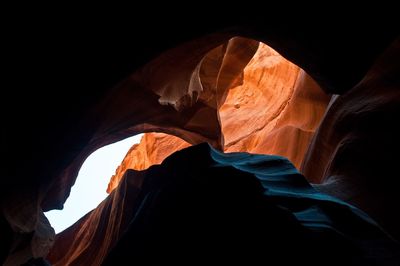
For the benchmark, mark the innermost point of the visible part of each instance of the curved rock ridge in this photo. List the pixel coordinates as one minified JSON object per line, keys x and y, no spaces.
{"x":201,"y":205}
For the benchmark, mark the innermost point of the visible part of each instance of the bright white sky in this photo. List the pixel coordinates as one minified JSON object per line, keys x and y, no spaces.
{"x":91,"y":184}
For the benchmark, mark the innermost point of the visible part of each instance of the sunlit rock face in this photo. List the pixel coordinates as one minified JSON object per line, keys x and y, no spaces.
{"x":153,"y":149}
{"x":275,"y":111}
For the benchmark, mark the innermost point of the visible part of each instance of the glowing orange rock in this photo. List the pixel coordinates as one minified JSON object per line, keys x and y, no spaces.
{"x":275,"y":111}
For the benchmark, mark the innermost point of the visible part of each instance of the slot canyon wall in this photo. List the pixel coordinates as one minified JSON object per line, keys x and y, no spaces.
{"x":352,"y":155}
{"x":247,"y":124}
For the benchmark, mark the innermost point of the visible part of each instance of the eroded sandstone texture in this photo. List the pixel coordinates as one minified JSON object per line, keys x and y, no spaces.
{"x":275,"y":111}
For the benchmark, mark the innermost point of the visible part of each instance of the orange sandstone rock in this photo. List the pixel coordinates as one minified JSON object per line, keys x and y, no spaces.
{"x":275,"y":111}
{"x":153,"y":149}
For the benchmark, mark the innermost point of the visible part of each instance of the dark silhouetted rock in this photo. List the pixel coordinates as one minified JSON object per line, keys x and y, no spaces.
{"x":201,"y":206}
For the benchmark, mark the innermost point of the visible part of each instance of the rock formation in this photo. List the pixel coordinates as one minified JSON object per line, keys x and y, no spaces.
{"x":66,"y":99}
